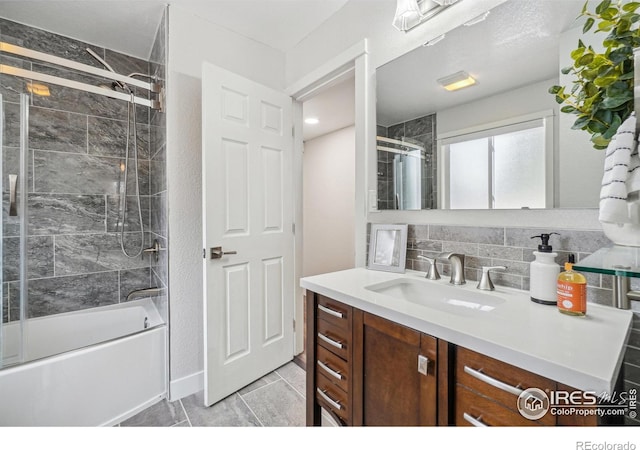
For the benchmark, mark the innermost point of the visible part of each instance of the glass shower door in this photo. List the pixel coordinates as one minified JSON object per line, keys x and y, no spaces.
{"x":14,"y":110}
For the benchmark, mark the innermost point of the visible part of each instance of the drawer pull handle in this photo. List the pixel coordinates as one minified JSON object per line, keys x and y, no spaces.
{"x":330,"y":371}
{"x":330,"y":341}
{"x":332,"y":402}
{"x":476,"y":422}
{"x":493,"y":382}
{"x":331,"y":311}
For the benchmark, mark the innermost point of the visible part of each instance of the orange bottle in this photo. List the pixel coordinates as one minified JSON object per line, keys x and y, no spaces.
{"x":572,"y":290}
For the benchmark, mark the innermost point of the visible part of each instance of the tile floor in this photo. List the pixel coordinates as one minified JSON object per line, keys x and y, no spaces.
{"x":275,"y":400}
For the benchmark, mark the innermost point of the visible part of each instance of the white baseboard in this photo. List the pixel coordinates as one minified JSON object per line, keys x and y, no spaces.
{"x":185,"y":386}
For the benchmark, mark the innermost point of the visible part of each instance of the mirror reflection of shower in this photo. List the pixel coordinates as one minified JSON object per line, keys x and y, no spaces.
{"x":402,"y":169}
{"x":124,"y":167}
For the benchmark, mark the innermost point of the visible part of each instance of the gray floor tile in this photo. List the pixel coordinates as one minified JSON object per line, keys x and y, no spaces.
{"x":229,"y":412}
{"x":294,"y":375}
{"x":277,"y":405}
{"x":162,"y":414}
{"x":267,"y":379}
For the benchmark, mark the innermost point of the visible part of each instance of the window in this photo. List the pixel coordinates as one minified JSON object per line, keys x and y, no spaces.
{"x":498,"y":167}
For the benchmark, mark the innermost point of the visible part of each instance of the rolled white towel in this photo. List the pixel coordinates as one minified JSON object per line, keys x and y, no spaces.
{"x":621,"y":174}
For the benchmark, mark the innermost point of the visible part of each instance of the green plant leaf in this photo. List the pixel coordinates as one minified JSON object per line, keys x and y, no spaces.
{"x":568,"y":109}
{"x":609,"y":13}
{"x":630,"y":7}
{"x":615,"y":102}
{"x":615,"y":124}
{"x":580,"y":123}
{"x":585,"y":60}
{"x":599,"y":141}
{"x":602,"y":6}
{"x":577,"y":53}
{"x":604,"y":81}
{"x":588,"y":24}
{"x":566,"y":70}
{"x":605,"y":25}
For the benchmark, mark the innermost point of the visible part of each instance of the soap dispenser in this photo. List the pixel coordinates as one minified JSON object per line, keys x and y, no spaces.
{"x":544,"y":273}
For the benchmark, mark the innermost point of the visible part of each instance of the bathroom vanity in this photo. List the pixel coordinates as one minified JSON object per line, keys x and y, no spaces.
{"x":397,"y":349}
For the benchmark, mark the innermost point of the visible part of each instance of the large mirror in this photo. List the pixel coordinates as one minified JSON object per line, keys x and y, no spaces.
{"x":500,"y":143}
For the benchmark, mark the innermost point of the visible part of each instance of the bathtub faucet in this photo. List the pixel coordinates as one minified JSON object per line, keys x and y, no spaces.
{"x":146,"y":292}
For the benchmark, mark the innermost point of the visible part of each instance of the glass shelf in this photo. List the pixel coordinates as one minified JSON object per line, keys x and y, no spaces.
{"x":617,"y":260}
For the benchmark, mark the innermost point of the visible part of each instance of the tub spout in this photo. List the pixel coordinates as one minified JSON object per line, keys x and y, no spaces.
{"x":146,"y":292}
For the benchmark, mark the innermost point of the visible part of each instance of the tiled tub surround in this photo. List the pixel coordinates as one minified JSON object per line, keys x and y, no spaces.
{"x":76,"y":149}
{"x":421,"y":131}
{"x":513,"y":248}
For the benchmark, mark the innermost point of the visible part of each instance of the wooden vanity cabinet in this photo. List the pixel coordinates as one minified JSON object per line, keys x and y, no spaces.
{"x":367,"y":370}
{"x":399,"y":374}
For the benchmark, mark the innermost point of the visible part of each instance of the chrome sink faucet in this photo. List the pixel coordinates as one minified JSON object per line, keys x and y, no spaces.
{"x":457,"y":267}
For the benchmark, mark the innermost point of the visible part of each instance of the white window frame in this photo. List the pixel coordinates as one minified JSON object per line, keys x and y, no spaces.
{"x":528,"y":121}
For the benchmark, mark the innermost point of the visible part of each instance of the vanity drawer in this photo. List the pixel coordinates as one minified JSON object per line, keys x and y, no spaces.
{"x":475,"y":410}
{"x":334,"y":312}
{"x":333,"y":338}
{"x":333,"y":398}
{"x":333,"y":367}
{"x":495,"y":379}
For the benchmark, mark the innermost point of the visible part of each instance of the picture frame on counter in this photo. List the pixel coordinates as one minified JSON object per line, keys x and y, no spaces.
{"x":388,"y":247}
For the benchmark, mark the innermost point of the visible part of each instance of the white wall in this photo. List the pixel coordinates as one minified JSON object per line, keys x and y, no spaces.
{"x":329,"y":202}
{"x":192,"y":40}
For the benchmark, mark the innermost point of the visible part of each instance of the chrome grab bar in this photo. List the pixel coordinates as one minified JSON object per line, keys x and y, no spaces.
{"x":330,"y":341}
{"x":13,"y":204}
{"x":328,"y":399}
{"x":476,"y":422}
{"x":330,"y":311}
{"x":146,"y":292}
{"x":330,"y":371}
{"x":493,"y":382}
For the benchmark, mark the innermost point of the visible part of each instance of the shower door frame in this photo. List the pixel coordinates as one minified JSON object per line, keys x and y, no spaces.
{"x":22,"y":211}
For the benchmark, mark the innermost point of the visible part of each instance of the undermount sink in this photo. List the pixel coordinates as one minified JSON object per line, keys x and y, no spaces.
{"x":454,"y":299}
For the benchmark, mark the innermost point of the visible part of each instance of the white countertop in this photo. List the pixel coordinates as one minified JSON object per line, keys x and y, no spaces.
{"x":582,"y":352}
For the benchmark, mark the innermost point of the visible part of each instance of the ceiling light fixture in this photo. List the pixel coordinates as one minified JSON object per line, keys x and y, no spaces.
{"x":457,"y":81}
{"x":477,"y":20}
{"x":311,"y":121}
{"x":411,"y":13}
{"x":433,"y":41}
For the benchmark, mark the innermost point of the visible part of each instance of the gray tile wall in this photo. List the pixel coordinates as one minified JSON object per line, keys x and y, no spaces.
{"x":76,"y":149}
{"x":513,"y":248}
{"x":420,"y":131}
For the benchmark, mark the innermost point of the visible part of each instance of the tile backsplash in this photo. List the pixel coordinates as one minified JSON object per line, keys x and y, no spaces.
{"x":505,"y":246}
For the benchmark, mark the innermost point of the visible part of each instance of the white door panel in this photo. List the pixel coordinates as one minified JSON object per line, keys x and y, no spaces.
{"x":248,"y":209}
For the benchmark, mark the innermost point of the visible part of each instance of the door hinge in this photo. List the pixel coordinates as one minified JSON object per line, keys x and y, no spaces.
{"x":293,"y":131}
{"x":293,"y":228}
{"x":204,"y":253}
{"x":294,"y":324}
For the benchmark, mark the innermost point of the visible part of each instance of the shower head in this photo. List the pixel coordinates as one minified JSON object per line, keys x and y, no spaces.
{"x":104,"y":63}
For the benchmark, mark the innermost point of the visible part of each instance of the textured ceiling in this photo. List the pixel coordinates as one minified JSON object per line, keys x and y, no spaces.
{"x":130,"y":26}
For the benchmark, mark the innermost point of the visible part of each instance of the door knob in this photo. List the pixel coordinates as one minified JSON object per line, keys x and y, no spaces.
{"x":216,"y":253}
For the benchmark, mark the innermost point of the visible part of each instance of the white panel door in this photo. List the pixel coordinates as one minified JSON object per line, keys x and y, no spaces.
{"x":247,"y":209}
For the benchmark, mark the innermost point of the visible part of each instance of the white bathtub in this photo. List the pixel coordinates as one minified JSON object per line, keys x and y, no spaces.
{"x":106,"y":366}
